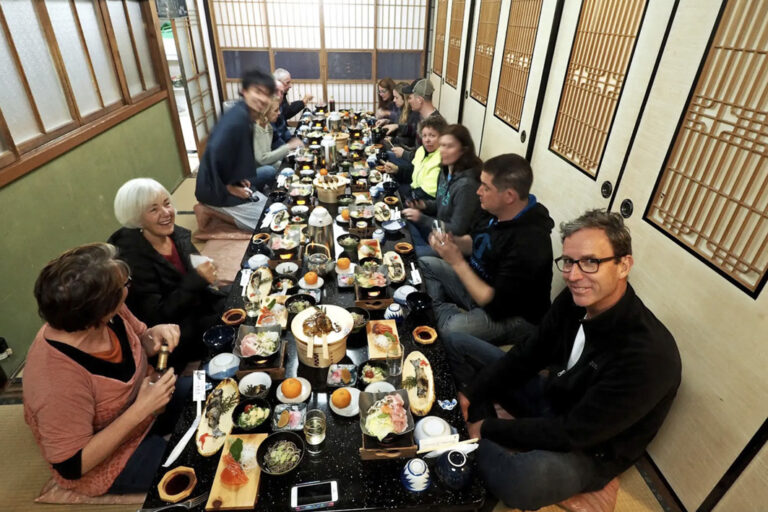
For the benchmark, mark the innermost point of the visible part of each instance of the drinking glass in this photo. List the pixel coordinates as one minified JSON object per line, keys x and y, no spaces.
{"x":251,"y":309}
{"x":394,"y":359}
{"x":314,"y":430}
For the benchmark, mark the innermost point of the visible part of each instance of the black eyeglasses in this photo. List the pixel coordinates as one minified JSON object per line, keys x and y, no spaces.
{"x":128,"y":282}
{"x":586,"y":265}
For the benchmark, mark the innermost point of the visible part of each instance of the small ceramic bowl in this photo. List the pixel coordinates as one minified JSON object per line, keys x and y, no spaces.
{"x":364,"y":313}
{"x":288,"y":268}
{"x":252,"y":380}
{"x":431,"y":426}
{"x":219,"y":338}
{"x":393,"y":226}
{"x":415,"y":476}
{"x":390,"y":187}
{"x":391,"y":200}
{"x":223,"y":366}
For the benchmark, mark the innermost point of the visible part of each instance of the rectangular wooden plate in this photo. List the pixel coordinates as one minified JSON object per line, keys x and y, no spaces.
{"x":374,"y":352}
{"x":224,"y":497}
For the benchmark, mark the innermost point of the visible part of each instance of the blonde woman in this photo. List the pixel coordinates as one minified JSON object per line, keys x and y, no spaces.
{"x":406,"y":127}
{"x":262,"y":137}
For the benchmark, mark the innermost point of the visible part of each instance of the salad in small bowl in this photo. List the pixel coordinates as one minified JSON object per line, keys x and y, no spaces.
{"x":251,"y":413}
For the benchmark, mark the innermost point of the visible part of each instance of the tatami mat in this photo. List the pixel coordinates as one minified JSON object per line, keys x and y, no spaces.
{"x":25,"y":472}
{"x":634,"y":496}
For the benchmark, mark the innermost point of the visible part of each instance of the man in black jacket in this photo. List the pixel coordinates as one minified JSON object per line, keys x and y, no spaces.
{"x":609,"y":373}
{"x":229,"y":178}
{"x":288,"y":110}
{"x":501,"y":291}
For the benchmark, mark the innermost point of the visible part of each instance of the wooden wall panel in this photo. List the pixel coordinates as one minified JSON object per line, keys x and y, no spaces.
{"x":485,"y":46}
{"x":600,"y":56}
{"x":713,"y":194}
{"x":454,"y":43}
{"x":523,"y":25}
{"x":439,"y":49}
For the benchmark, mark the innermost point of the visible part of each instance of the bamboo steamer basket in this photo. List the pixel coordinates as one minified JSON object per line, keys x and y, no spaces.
{"x":341,"y":140}
{"x":329,"y":195}
{"x":337,"y":341}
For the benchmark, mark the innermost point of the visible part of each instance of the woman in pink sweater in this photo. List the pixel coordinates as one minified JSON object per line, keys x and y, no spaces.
{"x":87,"y":391}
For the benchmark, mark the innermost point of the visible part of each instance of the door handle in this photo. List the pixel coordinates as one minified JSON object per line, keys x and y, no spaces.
{"x":523,"y":136}
{"x":466,"y":94}
{"x":626,"y":208}
{"x":606,"y":189}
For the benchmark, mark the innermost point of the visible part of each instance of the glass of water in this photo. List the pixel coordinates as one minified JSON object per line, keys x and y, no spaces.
{"x":395,"y":359}
{"x":314,"y":430}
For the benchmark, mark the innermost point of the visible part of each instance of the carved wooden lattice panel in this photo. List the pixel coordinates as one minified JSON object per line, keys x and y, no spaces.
{"x":485,"y":45}
{"x":600,"y":56}
{"x":713,"y":193}
{"x":516,"y":64}
{"x":439,"y":50}
{"x":454,"y":43}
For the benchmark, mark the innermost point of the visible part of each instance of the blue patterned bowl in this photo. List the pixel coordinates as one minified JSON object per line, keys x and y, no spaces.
{"x":415,"y":476}
{"x":453,"y":470}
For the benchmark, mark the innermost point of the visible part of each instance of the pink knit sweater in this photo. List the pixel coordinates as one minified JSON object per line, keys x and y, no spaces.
{"x":65,"y":405}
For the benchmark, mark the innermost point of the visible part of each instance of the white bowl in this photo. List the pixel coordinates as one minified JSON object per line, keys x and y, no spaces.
{"x":290,"y":268}
{"x":379,"y":387}
{"x":431,"y":426}
{"x":258,"y":260}
{"x":255,"y":379}
{"x":223,"y":365}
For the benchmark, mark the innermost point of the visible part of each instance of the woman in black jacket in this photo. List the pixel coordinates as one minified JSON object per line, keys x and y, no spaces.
{"x":456,"y":204}
{"x":166,"y":287}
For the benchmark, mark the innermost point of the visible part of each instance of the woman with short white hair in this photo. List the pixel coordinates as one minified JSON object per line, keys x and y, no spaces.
{"x":166,"y":287}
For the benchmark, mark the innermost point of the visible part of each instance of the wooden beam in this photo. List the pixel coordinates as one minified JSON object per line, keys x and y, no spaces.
{"x":30,"y":161}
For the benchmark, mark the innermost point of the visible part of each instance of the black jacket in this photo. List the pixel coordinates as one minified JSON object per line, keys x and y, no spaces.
{"x":456,"y":203}
{"x":159,"y":293}
{"x":228,"y":158}
{"x":610,"y":404}
{"x":515,"y":258}
{"x":288,"y":110}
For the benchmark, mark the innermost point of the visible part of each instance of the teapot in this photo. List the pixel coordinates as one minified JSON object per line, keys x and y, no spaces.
{"x":320,"y":228}
{"x":319,"y":259}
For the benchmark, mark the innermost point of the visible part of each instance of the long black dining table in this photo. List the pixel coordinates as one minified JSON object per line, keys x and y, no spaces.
{"x":362,"y":484}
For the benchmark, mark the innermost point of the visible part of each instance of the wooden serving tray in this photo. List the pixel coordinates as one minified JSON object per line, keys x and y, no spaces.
{"x":225,"y":497}
{"x":401,"y":448}
{"x":374,"y":352}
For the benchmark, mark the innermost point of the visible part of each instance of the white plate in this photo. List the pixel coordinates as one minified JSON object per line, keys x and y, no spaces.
{"x":318,"y":284}
{"x":379,"y":387}
{"x":306,"y":389}
{"x":352,"y":409}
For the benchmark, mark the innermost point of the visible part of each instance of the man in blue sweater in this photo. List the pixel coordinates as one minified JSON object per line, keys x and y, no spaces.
{"x":229,"y":179}
{"x":588,"y":392}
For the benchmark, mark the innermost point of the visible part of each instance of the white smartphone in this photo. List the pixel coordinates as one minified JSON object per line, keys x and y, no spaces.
{"x":314,"y":495}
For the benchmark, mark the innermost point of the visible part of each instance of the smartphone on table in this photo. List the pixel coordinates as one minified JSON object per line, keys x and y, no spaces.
{"x":314,"y":495}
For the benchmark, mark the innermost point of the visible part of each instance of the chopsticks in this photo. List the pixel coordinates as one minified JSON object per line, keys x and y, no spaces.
{"x":448,"y":446}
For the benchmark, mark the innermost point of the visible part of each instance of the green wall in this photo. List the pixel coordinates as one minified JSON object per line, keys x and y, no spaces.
{"x":68,"y":202}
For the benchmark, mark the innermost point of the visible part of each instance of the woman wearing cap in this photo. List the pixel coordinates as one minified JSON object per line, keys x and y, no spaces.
{"x":88,"y":397}
{"x":167,"y":287}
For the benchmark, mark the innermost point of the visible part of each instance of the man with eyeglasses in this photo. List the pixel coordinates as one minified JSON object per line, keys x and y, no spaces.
{"x":587,"y":393}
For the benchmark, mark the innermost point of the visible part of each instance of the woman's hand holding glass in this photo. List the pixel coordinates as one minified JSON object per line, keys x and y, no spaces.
{"x":390,"y":168}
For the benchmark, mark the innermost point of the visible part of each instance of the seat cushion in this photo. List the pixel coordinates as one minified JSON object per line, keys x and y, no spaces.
{"x":603,"y":500}
{"x":52,"y":493}
{"x":213,"y":225}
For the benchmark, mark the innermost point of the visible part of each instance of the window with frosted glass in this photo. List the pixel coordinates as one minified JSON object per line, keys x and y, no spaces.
{"x":61,"y":71}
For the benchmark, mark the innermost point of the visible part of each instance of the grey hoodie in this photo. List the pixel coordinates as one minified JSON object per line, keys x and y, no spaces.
{"x":456,"y":203}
